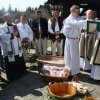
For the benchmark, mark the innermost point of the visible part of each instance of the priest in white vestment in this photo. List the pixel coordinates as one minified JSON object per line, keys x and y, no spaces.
{"x":95,"y":60}
{"x":1,"y":60}
{"x":85,"y":44}
{"x":12,"y":50}
{"x":71,"y":30}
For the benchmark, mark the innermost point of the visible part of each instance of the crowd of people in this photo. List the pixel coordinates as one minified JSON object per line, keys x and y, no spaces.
{"x":67,"y":39}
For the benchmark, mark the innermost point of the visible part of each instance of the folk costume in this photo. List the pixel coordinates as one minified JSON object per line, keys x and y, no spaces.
{"x":55,"y":25}
{"x":40,"y":38}
{"x":12,"y":52}
{"x":71,"y":30}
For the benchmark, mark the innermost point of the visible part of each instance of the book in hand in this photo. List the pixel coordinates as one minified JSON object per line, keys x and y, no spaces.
{"x":93,"y":26}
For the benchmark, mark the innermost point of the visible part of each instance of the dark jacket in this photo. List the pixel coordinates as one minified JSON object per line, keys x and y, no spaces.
{"x":60,"y":23}
{"x":43,"y":25}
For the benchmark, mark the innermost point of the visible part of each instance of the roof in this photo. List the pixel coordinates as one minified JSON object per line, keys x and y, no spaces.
{"x":54,"y":2}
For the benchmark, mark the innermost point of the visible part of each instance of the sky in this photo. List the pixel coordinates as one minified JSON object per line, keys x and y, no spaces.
{"x":21,"y":4}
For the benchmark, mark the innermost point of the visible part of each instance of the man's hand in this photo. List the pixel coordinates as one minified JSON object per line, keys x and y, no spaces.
{"x":59,"y":40}
{"x":57,"y":33}
{"x":40,"y":32}
{"x":15,"y":33}
{"x":25,"y":39}
{"x":83,"y":30}
{"x":53,"y":40}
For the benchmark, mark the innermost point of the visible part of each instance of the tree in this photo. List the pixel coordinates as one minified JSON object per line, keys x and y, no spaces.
{"x":1,"y":19}
{"x":15,"y":10}
{"x":30,"y":12}
{"x":36,"y":9}
{"x":9,"y":9}
{"x":2,"y":10}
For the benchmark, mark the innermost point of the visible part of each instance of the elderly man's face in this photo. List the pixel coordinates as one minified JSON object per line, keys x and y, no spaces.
{"x":89,"y":14}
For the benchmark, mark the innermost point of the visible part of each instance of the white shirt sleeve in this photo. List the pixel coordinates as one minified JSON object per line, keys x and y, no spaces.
{"x":66,"y":29}
{"x":77,"y":24}
{"x":62,"y":27}
{"x":5,"y":38}
{"x":57,"y":28}
{"x":49,"y":27}
{"x":73,"y":26}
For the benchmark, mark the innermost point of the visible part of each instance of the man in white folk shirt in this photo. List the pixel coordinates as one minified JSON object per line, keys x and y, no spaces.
{"x":71,"y":30}
{"x":12,"y":50}
{"x":55,"y":31}
{"x":86,"y":44}
{"x":26,"y":35}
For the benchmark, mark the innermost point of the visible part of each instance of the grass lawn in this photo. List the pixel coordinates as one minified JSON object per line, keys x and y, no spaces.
{"x":48,"y":43}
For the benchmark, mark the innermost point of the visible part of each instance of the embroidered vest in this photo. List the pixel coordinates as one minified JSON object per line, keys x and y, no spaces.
{"x":60,"y":23}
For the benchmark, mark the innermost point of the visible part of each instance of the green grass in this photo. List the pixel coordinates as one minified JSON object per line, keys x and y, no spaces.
{"x":48,"y":43}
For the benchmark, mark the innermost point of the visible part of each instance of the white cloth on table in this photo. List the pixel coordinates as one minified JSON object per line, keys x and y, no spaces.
{"x":54,"y":70}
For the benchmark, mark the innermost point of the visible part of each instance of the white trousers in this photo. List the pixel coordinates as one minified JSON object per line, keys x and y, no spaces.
{"x":57,"y":46}
{"x":41,"y":47}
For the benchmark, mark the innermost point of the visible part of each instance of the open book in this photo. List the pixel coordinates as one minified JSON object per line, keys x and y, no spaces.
{"x":93,"y":26}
